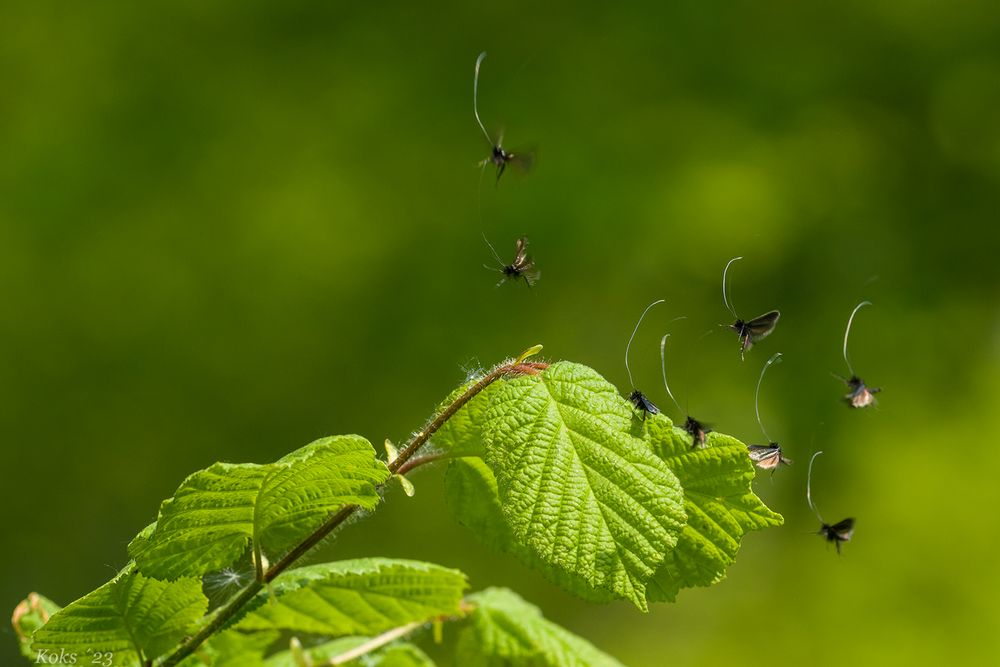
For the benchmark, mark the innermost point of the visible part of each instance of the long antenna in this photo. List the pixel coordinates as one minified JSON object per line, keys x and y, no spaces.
{"x":848,"y":333}
{"x":629,"y":344}
{"x":493,"y":250}
{"x":775,"y":358}
{"x":663,"y":367}
{"x":809,"y":488}
{"x":475,"y":98}
{"x":725,"y":298}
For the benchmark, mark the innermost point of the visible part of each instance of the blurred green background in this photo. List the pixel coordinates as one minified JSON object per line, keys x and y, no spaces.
{"x":229,"y":228}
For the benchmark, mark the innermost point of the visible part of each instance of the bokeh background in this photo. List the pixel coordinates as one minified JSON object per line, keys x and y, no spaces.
{"x":229,"y":228}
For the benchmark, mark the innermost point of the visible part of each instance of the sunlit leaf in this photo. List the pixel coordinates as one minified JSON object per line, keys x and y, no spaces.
{"x":357,"y":597}
{"x":506,"y":631}
{"x":132,"y":617}
{"x":720,"y":504}
{"x":577,"y":487}
{"x":217,"y":512}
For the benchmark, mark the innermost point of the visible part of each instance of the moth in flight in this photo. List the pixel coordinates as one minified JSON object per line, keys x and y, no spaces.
{"x":523,"y":266}
{"x":769,"y":456}
{"x":838,"y":533}
{"x":748,"y":331}
{"x":498,"y":157}
{"x":859,"y":395}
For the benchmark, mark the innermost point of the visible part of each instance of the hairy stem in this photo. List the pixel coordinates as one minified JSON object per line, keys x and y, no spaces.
{"x":231,"y":608}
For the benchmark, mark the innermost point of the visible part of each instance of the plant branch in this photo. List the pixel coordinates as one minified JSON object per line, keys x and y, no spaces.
{"x":418,"y":461}
{"x":230,"y":609}
{"x":222,"y":615}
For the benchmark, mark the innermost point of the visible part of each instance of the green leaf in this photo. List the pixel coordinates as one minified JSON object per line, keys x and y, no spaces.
{"x":506,"y":631}
{"x":471,"y":493}
{"x":216,"y":512}
{"x":132,"y":617}
{"x":357,"y":597}
{"x":394,"y":655}
{"x":30,"y":614}
{"x":462,"y":434}
{"x":720,"y":504}
{"x":583,"y":493}
{"x":233,"y":649}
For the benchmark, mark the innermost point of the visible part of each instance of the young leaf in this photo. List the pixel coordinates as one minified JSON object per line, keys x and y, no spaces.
{"x":395,"y":655}
{"x":132,"y":617}
{"x":29,"y":615}
{"x":720,"y":503}
{"x":357,"y":597}
{"x":216,"y":512}
{"x":505,"y":630}
{"x":471,"y":492}
{"x":577,"y":488}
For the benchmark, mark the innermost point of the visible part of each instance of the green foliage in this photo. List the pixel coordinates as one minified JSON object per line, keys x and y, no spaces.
{"x":550,"y":465}
{"x":720,"y":504}
{"x":215,"y":512}
{"x":358,"y":597}
{"x":395,"y":655}
{"x":471,"y":492}
{"x":577,"y":488}
{"x":132,"y":617}
{"x":234,"y":649}
{"x":506,"y":630}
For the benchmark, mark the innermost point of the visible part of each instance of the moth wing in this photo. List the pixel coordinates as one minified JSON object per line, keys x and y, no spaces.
{"x":531,"y":274}
{"x":844,"y":530}
{"x":761,"y":327}
{"x":524,"y":159}
{"x":758,"y":452}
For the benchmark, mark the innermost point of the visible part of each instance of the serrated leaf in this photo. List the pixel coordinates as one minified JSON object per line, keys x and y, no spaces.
{"x":357,"y":597}
{"x":132,"y":617}
{"x":462,"y":434}
{"x":217,"y":512}
{"x":720,"y":504}
{"x":394,"y":655}
{"x":30,"y":614}
{"x":471,"y":493}
{"x":506,"y":631}
{"x":583,"y":493}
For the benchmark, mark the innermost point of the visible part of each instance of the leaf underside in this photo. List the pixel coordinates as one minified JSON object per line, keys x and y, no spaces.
{"x":505,"y":630}
{"x":395,"y":655}
{"x":357,"y":597}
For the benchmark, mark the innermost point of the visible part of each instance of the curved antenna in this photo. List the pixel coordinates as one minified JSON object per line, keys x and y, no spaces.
{"x":475,"y":98}
{"x":663,"y":367}
{"x":809,"y":488}
{"x":493,"y":250}
{"x":725,"y":298}
{"x":775,"y":358}
{"x":847,"y":333}
{"x":629,"y":344}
